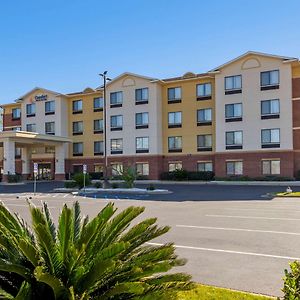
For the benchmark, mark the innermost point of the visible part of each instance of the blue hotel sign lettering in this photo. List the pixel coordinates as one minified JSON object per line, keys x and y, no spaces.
{"x":40,"y":97}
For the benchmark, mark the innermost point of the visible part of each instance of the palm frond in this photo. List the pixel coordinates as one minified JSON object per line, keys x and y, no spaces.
{"x":25,"y":292}
{"x":49,"y":221}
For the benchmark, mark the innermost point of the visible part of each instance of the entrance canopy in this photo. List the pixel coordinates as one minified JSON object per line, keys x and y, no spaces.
{"x":9,"y":140}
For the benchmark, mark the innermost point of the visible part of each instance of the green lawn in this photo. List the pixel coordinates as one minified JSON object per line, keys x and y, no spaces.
{"x":285,"y":194}
{"x":203,"y":292}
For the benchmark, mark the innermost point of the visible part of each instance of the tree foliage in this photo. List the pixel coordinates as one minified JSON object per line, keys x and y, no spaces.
{"x":102,"y":258}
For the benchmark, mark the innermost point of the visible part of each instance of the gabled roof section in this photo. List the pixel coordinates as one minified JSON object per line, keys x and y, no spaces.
{"x":283,"y":58}
{"x":124,"y":75}
{"x":20,"y":99}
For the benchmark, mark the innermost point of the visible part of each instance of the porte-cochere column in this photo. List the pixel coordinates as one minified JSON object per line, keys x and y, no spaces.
{"x":9,"y":167}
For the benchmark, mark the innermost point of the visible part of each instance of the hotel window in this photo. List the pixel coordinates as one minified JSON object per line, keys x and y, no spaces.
{"x":16,"y":113}
{"x":50,"y":128}
{"x":98,"y":148}
{"x":174,"y":119}
{"x":204,"y":166}
{"x":204,"y":91}
{"x":116,"y":169}
{"x":98,"y":168}
{"x":204,"y":117}
{"x":116,"y":146}
{"x":175,"y":144}
{"x":78,"y":149}
{"x":77,"y":106}
{"x":141,"y":96}
{"x":270,"y":138}
{"x":98,"y":104}
{"x":233,"y":84}
{"x":17,"y":129}
{"x":49,"y":149}
{"x":204,"y":142}
{"x":142,"y":169}
{"x":234,"y":168}
{"x":270,"y":109}
{"x":31,"y":127}
{"x":30,"y":110}
{"x":234,"y":140}
{"x":142,"y":145}
{"x":174,"y":95}
{"x":233,"y":112}
{"x":116,"y":99}
{"x":78,"y":128}
{"x":173,"y":166}
{"x":141,"y":120}
{"x":269,"y":80}
{"x":50,"y":107}
{"x":116,"y":123}
{"x":271,"y":167}
{"x":17,"y":152}
{"x":98,"y":126}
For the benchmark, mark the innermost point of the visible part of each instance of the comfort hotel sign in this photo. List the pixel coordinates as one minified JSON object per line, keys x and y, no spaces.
{"x":41,"y":97}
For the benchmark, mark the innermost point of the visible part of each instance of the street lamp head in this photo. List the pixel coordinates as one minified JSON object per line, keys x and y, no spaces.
{"x":108,"y":79}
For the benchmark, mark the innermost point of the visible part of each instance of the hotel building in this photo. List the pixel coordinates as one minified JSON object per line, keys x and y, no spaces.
{"x":241,"y":118}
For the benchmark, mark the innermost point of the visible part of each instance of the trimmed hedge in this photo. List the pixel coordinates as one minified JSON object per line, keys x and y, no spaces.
{"x":183,"y":175}
{"x":70,"y":184}
{"x":14,"y":178}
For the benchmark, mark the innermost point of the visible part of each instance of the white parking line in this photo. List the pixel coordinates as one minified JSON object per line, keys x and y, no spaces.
{"x":238,"y":229}
{"x":25,"y":205}
{"x":230,"y":251}
{"x":65,"y":195}
{"x":249,"y":217}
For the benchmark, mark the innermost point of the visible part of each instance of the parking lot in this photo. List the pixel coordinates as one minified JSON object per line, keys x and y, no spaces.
{"x":243,"y":244}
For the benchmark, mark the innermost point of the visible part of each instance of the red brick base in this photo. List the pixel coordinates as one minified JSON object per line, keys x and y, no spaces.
{"x":59,"y":177}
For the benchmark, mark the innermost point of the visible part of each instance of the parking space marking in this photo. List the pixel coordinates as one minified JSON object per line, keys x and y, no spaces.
{"x":238,"y":229}
{"x":229,"y":251}
{"x":249,"y":217}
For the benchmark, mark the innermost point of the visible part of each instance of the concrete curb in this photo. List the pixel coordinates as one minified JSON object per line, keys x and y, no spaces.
{"x":127,"y":191}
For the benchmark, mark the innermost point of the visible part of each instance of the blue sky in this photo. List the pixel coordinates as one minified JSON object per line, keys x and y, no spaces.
{"x":63,"y":45}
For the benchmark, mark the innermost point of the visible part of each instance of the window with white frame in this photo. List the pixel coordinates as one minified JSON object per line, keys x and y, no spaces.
{"x":50,"y":128}
{"x":77,"y":128}
{"x":204,"y":166}
{"x":98,"y":104}
{"x":204,"y":142}
{"x":30,"y":110}
{"x":234,"y":167}
{"x":31,"y":127}
{"x":116,"y":122}
{"x":233,"y":84}
{"x":98,"y":126}
{"x":16,"y":113}
{"x":271,"y":167}
{"x":174,"y":94}
{"x":270,"y":138}
{"x":175,"y":143}
{"x":116,"y":169}
{"x":142,"y":144}
{"x":17,"y":152}
{"x":49,"y":107}
{"x":142,"y":95}
{"x":204,"y":90}
{"x":204,"y":116}
{"x":116,"y":99}
{"x":78,"y":149}
{"x":77,"y":106}
{"x":234,"y":139}
{"x":142,"y":120}
{"x":98,"y":148}
{"x":176,"y":165}
{"x":142,"y":169}
{"x":233,"y":112}
{"x":269,"y":79}
{"x":174,"y":119}
{"x":116,"y":146}
{"x":270,"y":109}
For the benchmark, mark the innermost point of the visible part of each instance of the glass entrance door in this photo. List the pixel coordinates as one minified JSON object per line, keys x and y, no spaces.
{"x":44,"y":171}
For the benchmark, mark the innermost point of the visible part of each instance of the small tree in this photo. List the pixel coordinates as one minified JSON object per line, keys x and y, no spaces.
{"x":128,"y":174}
{"x":103,"y":259}
{"x":79,"y":178}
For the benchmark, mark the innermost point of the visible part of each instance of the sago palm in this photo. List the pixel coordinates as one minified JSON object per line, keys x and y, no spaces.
{"x":102,"y":258}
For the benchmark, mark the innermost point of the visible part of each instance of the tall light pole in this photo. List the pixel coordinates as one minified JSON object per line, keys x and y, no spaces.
{"x":105,"y":181}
